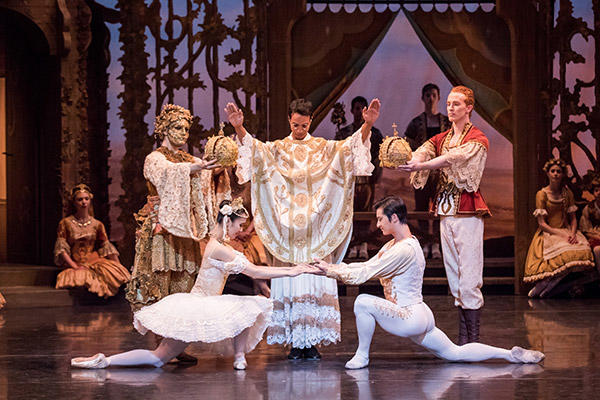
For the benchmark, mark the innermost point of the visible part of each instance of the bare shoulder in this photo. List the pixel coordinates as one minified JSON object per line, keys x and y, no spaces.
{"x":219,"y":251}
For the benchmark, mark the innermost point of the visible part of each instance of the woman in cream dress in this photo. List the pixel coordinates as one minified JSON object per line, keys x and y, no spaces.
{"x":557,"y":248}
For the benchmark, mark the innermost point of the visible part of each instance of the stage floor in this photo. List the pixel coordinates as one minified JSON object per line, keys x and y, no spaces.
{"x":36,"y":345}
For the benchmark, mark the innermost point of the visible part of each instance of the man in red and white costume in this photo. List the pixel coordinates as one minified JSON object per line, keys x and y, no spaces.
{"x":460,"y":154}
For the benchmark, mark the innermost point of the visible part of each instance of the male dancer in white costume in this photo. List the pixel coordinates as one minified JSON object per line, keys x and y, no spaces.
{"x":302,"y":202}
{"x":400,"y":265}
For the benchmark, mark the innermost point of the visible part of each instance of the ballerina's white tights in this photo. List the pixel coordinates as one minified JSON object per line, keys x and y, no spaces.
{"x":167,"y":350}
{"x":417,"y":323}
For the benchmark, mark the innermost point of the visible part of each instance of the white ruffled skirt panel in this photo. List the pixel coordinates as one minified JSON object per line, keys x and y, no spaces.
{"x":213,"y":320}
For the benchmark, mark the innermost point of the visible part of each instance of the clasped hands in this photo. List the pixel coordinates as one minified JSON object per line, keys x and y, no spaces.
{"x":317,"y":267}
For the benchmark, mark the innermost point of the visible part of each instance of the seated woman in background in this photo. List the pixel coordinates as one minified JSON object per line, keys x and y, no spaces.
{"x":83,"y":249}
{"x":557,"y":248}
{"x":589,"y":223}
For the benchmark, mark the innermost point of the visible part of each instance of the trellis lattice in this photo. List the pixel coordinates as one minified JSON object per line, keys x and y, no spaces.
{"x":567,"y":131}
{"x":187,"y":43}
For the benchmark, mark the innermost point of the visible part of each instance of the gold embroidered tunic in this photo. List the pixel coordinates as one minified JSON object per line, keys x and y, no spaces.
{"x":302,"y":200}
{"x":303,"y":192}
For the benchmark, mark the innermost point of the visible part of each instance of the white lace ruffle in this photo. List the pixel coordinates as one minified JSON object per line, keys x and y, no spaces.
{"x":425,"y":152}
{"x":244,"y":161}
{"x":208,"y":319}
{"x":540,"y":211}
{"x":305,"y":311}
{"x":361,"y":154}
{"x":300,"y":335}
{"x":172,"y":182}
{"x":235,"y":266}
{"x":467,"y":163}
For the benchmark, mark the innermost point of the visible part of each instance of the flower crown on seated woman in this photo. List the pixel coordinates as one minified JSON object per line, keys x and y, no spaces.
{"x":555,"y":161}
{"x":236,"y":207}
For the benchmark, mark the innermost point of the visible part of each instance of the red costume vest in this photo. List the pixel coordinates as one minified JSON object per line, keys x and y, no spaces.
{"x":467,"y":202}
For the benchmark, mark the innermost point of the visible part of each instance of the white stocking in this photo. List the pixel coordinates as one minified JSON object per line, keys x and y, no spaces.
{"x":417,"y":323}
{"x":438,"y":343}
{"x":166,"y":350}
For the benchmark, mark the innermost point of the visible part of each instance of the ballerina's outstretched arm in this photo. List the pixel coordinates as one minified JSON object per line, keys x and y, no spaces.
{"x":236,"y":263}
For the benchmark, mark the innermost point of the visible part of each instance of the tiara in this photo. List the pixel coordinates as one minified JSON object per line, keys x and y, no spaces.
{"x":235,"y":207}
{"x":82,"y":187}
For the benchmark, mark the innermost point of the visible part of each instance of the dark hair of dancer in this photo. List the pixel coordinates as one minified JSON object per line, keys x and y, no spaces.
{"x":233,"y":215}
{"x":359,"y":99}
{"x":392,"y":205}
{"x":428,"y":87}
{"x":302,"y":107}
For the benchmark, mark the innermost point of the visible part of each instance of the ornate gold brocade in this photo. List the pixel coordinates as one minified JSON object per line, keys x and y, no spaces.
{"x":302,"y":196}
{"x":165,"y":263}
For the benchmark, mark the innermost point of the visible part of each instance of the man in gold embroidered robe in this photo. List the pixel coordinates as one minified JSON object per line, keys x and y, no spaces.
{"x":302,"y":201}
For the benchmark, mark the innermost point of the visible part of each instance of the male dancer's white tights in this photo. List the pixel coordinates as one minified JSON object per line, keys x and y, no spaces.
{"x":417,"y":323}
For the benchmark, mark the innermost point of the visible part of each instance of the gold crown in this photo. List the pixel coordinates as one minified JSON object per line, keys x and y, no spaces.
{"x":394,"y":150}
{"x":222,"y":148}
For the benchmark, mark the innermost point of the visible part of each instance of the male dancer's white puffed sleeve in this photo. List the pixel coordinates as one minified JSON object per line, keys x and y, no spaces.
{"x":385,"y":264}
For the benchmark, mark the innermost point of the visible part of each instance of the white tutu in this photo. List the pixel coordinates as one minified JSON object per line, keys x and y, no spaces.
{"x":191,"y":318}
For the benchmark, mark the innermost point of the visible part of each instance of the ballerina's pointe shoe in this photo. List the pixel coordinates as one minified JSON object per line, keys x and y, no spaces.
{"x":240,"y":363}
{"x":526,"y":356}
{"x":357,"y":362}
{"x":95,"y":362}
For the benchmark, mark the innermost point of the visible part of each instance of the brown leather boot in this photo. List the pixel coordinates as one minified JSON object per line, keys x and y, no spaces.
{"x":462,"y":328}
{"x":472,"y":320}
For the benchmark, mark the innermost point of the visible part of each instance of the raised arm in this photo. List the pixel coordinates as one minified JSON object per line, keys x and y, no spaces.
{"x":370,"y":115}
{"x":236,"y":119}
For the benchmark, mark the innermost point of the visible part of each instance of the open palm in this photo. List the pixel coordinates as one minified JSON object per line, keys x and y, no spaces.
{"x":235,"y":115}
{"x":371,"y":114}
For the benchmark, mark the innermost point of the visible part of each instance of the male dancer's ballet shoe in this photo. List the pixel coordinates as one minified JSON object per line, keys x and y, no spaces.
{"x":357,"y":362}
{"x":94,"y":362}
{"x":240,"y":363}
{"x":526,"y":356}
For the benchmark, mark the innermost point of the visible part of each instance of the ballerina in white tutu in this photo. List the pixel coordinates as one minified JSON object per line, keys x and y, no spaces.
{"x":231,"y":324}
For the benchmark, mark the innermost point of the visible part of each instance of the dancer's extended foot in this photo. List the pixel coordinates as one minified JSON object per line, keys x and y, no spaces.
{"x":94,"y":362}
{"x":357,"y":362}
{"x":240,"y":362}
{"x":521,"y":355}
{"x":311,"y":353}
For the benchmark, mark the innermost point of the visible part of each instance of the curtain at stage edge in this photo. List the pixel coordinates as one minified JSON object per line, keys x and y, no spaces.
{"x":329,"y":50}
{"x":472,"y":49}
